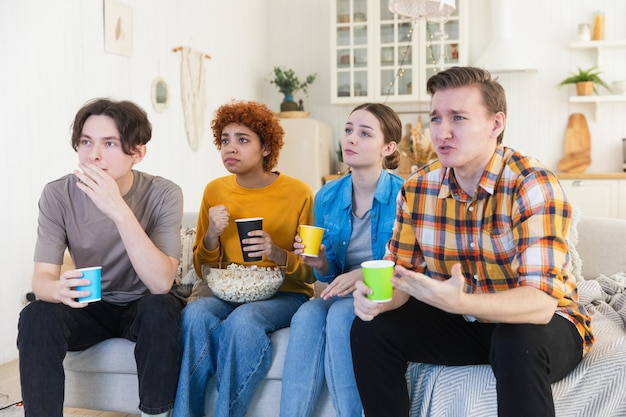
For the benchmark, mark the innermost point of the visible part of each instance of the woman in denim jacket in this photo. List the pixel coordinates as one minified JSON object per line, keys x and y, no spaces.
{"x":357,"y":213}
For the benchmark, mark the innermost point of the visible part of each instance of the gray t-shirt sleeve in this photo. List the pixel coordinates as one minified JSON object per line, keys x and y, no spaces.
{"x":69,"y":219}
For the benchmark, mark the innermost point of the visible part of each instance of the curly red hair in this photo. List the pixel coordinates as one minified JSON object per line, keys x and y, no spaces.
{"x":256,"y":117}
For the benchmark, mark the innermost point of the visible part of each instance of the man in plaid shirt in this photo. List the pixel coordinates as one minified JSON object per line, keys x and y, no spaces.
{"x":482,"y":266}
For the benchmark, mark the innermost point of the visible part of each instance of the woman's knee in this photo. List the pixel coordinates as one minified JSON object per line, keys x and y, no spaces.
{"x":340,"y":316}
{"x":311,"y":316}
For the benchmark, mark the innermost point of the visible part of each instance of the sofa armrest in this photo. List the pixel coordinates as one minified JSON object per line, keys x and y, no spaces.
{"x":601,"y":246}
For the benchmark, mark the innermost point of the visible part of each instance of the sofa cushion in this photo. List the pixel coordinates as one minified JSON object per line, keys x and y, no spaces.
{"x":117,"y":356}
{"x":601,"y":246}
{"x":280,"y":339}
{"x":110,"y":356}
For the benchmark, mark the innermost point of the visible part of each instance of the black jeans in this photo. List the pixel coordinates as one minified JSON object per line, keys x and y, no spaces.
{"x":46,"y":331}
{"x":525,"y":358}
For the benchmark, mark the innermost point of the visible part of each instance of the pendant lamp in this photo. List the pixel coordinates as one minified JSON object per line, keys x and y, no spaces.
{"x":418,"y":9}
{"x":434,"y":10}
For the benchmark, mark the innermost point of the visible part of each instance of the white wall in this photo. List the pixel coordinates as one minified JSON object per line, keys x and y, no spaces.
{"x":53,"y":60}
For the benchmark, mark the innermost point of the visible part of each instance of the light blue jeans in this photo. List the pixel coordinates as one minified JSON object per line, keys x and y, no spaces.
{"x":319,"y":346}
{"x":231,"y":342}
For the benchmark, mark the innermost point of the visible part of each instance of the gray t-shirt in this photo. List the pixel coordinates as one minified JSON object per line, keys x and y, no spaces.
{"x":69,"y":219}
{"x":360,"y":245}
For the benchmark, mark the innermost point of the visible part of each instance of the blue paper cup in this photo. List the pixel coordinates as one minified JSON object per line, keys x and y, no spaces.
{"x":94,"y":275}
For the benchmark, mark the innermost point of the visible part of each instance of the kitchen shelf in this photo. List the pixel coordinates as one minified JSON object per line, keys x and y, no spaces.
{"x":599,"y":46}
{"x":596,"y":100}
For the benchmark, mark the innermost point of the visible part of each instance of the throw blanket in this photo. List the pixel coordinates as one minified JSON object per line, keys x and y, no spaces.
{"x":594,"y":388}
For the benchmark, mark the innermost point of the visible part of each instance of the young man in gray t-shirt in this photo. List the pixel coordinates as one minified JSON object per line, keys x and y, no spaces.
{"x":126,"y":221}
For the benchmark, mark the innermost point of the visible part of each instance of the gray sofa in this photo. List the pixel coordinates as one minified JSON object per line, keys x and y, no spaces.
{"x":104,"y":376}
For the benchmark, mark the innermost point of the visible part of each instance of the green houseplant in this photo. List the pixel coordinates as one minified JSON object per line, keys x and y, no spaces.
{"x":288,"y":83}
{"x":586,"y":81}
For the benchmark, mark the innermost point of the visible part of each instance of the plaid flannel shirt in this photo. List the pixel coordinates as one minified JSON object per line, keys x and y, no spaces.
{"x":511,"y":233}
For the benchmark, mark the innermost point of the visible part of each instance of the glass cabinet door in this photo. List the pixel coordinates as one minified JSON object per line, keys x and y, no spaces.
{"x":352,"y":40}
{"x":380,"y":56}
{"x":444,"y":34}
{"x":395,"y":54}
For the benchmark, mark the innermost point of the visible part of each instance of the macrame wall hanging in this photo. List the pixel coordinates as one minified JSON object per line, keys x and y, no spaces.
{"x":192,"y":93}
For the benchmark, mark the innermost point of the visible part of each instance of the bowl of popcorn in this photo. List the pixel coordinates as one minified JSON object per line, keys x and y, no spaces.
{"x":242,"y":284}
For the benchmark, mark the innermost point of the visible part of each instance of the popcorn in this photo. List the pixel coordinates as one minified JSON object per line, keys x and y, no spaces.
{"x":241,"y":284}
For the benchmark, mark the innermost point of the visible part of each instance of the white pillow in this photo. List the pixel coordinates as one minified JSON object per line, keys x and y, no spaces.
{"x":187,"y":239}
{"x":576,"y":263}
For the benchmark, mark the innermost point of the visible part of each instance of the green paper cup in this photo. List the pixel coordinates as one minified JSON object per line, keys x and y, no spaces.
{"x":377,"y":276}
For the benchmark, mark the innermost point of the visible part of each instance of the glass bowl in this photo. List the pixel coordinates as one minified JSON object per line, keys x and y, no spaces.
{"x":240,"y":283}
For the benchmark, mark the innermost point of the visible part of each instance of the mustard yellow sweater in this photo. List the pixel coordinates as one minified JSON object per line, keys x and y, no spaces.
{"x":284,"y":204}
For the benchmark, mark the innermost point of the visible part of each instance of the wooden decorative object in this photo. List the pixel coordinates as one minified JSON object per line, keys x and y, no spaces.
{"x":407,"y":152}
{"x":577,"y":156}
{"x":424,"y":151}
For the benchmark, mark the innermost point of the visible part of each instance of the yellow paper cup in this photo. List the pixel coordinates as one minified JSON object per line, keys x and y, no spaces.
{"x":311,"y":238}
{"x":377,"y":276}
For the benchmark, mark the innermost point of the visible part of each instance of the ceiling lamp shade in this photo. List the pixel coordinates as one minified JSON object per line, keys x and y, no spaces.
{"x":417,"y":9}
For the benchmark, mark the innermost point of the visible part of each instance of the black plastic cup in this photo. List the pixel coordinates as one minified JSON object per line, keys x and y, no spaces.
{"x":243,"y":227}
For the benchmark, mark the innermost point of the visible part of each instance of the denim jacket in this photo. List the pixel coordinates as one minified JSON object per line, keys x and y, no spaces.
{"x":333,"y":211}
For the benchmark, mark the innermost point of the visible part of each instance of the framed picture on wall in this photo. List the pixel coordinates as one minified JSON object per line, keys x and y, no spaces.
{"x":118,"y":28}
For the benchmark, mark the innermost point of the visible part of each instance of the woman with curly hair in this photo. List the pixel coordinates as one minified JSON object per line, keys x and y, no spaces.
{"x":232,"y":341}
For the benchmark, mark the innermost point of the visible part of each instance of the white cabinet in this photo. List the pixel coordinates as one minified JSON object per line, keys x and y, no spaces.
{"x":307,"y":153}
{"x":621,"y":203}
{"x":594,"y":197}
{"x":597,"y":195}
{"x":600,"y":47}
{"x":378,"y":56}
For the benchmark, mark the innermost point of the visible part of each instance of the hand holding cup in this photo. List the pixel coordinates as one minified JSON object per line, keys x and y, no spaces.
{"x":311,"y":237}
{"x":244,"y":226}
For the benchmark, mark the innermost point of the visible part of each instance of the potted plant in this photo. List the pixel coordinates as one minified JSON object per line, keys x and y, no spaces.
{"x":288,"y":83}
{"x":586,"y":81}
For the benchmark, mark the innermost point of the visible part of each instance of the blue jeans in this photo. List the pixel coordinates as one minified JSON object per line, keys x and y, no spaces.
{"x":46,"y":331}
{"x":319,"y":345}
{"x":233,"y":343}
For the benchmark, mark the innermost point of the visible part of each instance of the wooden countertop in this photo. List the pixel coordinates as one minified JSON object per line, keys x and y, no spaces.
{"x":591,"y":175}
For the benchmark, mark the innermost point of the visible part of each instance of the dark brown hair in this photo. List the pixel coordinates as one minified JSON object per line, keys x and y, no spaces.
{"x":131,"y":121}
{"x":256,"y":117}
{"x":492,"y":92}
{"x":390,"y":125}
